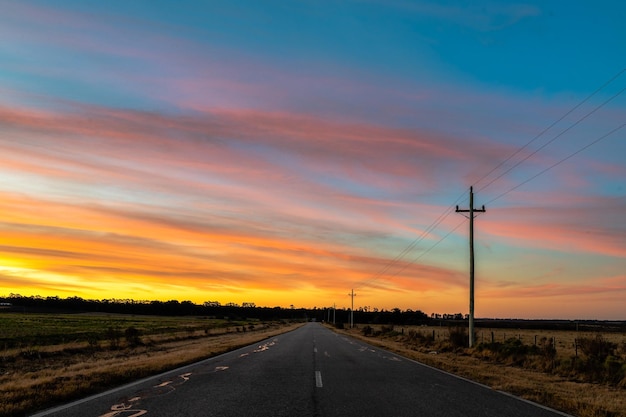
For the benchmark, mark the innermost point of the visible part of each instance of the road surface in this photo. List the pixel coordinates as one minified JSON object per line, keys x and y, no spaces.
{"x":311,"y":371}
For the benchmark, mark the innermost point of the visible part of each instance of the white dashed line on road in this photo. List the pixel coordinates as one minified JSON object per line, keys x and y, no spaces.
{"x":318,"y":379}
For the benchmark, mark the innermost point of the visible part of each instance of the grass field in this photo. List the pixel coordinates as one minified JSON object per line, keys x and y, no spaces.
{"x":525,"y":372}
{"x":50,"y":329}
{"x":49,"y":359}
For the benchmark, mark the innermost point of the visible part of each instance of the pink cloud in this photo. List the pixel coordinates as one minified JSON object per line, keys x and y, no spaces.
{"x":363,"y":154}
{"x":116,"y":35}
{"x":563,"y":222}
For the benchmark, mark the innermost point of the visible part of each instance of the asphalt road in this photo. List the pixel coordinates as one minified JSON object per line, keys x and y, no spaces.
{"x":311,"y":371}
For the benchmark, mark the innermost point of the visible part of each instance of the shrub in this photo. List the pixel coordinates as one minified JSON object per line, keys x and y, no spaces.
{"x":132,"y":336}
{"x":515,"y":351}
{"x":414,"y":335}
{"x":513,"y":346}
{"x":458,"y":336}
{"x":601,"y":364}
{"x":94,"y":342}
{"x":367,"y":330}
{"x":546,"y":348}
{"x":511,"y":350}
{"x":388,"y":330}
{"x":113,"y":336}
{"x":596,"y":347}
{"x":615,"y":369}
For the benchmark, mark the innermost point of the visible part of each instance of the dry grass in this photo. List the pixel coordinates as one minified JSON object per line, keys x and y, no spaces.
{"x":561,"y":393}
{"x":35,"y":379}
{"x":565,"y":339}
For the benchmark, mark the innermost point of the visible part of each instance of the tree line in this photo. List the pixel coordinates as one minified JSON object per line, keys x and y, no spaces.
{"x":16,"y":302}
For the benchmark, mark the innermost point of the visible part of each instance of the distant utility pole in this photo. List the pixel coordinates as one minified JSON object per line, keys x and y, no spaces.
{"x":471,"y":212}
{"x":352,"y":295}
{"x":334,"y":312}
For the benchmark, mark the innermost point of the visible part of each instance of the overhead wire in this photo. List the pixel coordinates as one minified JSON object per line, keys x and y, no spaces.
{"x":559,"y":162}
{"x":449,"y":209}
{"x":429,"y":249}
{"x":412,"y":245}
{"x":576,"y":123}
{"x":570,"y":111}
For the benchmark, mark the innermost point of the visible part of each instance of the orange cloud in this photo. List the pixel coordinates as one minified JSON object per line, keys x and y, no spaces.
{"x":99,"y":243}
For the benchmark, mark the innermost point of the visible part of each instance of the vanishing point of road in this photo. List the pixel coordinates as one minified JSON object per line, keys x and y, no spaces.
{"x":310,"y":371}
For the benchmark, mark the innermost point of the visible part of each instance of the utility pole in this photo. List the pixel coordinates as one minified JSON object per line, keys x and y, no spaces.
{"x":471,"y":212}
{"x":352,"y":295}
{"x":334,"y":312}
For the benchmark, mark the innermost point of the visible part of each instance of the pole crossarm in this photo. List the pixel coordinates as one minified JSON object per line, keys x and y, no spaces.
{"x":471,"y":212}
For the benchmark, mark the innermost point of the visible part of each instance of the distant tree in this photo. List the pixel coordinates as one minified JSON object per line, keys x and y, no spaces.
{"x":187,"y":307}
{"x":212,"y":304}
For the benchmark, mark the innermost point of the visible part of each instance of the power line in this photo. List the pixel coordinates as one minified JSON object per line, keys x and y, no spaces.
{"x":560,"y":162}
{"x":557,"y":136}
{"x":449,"y":210}
{"x":581,"y":119}
{"x":413,"y":244}
{"x":433,"y":246}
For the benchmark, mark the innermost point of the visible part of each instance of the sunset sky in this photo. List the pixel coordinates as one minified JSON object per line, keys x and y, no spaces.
{"x":285,"y":152}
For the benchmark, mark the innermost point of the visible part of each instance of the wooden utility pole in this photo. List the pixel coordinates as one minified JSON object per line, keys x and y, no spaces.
{"x":471,"y":212}
{"x":352,"y":295}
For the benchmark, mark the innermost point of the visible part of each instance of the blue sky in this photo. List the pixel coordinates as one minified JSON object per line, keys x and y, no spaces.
{"x":285,"y":152}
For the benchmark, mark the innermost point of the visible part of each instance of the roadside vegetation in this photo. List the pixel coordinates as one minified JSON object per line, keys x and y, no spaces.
{"x":51,"y":359}
{"x":583,"y":374}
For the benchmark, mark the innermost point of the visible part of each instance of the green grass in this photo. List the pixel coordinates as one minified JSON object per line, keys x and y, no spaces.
{"x":25,"y":329}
